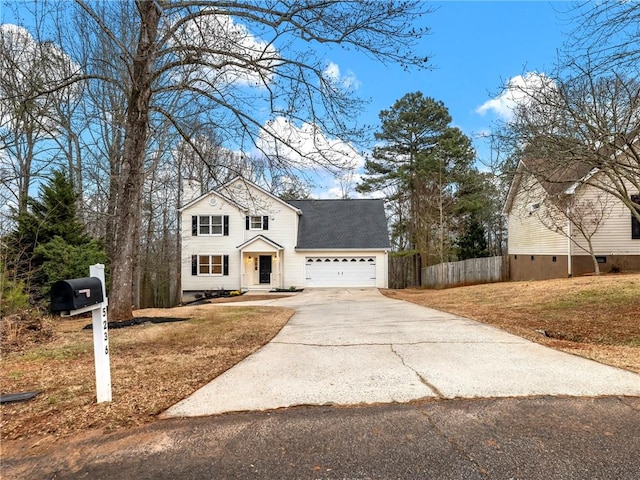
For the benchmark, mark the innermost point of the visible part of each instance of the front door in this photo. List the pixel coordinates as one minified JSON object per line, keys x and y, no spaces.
{"x":265,"y":269}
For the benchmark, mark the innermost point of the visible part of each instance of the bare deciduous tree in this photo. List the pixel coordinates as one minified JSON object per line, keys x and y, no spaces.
{"x":220,"y":62}
{"x":586,"y":124}
{"x":28,"y":118}
{"x":577,"y":218}
{"x":607,"y":36}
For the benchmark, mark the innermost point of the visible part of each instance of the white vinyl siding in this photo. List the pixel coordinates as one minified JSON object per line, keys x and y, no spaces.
{"x":613,"y":237}
{"x":527,"y":235}
{"x":282,"y":229}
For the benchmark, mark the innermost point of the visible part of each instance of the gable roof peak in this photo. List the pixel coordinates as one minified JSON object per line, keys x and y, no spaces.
{"x":556,"y":177}
{"x":246,"y":182}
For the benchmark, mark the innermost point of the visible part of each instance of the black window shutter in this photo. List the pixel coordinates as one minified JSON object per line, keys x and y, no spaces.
{"x":225,"y":227}
{"x":194,"y":225}
{"x":246,"y":222}
{"x":225,"y":265}
{"x":635,"y":224}
{"x":265,"y":222}
{"x":194,"y":265}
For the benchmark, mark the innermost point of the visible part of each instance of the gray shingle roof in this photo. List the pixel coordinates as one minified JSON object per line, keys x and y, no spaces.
{"x":354,"y":224}
{"x":556,"y":177}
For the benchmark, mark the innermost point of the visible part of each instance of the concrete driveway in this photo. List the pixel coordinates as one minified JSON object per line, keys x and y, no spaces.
{"x":346,"y":347}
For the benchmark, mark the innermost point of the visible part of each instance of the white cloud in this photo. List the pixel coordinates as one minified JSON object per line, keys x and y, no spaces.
{"x":348,"y":81}
{"x":306,"y":146}
{"x":332,"y":71}
{"x":517,"y":92}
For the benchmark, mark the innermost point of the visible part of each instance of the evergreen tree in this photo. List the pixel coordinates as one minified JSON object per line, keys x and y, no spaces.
{"x":12,"y":295}
{"x":54,"y":213}
{"x":62,"y":260}
{"x":48,"y":227}
{"x":473,"y":242}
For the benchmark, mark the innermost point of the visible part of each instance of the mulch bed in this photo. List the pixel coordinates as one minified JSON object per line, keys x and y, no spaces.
{"x":139,"y":321}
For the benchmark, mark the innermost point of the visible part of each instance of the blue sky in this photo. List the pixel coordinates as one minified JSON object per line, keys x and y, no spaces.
{"x":475,"y":47}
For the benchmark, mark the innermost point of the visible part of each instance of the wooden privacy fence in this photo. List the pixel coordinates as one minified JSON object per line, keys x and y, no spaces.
{"x":404,"y":271}
{"x":466,"y":272}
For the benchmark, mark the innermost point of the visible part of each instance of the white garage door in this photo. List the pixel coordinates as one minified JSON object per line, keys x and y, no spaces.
{"x":340,"y":272}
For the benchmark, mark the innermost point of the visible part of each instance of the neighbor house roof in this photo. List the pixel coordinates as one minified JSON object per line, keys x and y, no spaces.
{"x":555,"y":177}
{"x":337,"y":224}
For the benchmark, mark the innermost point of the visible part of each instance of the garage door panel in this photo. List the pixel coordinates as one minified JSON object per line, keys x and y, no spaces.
{"x":340,"y":271}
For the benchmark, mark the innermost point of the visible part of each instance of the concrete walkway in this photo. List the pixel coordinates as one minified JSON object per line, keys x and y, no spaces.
{"x":345,"y":347}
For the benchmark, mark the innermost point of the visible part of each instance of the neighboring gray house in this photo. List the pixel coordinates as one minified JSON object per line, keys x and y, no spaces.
{"x":240,"y":236}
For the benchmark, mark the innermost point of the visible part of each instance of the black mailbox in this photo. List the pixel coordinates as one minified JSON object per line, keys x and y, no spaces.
{"x":77,"y":293}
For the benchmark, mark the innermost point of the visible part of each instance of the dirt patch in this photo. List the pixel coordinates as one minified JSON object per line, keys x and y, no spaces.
{"x":594,"y":317}
{"x":153,"y":366}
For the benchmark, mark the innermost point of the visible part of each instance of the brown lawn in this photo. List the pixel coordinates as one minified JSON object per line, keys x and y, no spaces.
{"x":595,"y":317}
{"x":153,"y":366}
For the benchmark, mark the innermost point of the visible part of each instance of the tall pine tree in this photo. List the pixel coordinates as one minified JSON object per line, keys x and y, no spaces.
{"x":418,"y":165}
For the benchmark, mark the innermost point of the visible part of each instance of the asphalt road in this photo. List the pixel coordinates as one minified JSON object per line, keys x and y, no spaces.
{"x":506,"y":438}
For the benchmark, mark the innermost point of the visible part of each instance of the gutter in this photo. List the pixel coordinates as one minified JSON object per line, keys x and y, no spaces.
{"x":569,"y":249}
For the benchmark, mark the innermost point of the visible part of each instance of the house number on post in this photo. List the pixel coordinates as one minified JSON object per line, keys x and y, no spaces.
{"x":101,"y":342}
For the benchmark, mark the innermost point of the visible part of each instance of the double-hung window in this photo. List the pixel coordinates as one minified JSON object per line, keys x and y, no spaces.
{"x":210,"y":225}
{"x":256,"y":222}
{"x":204,"y":265}
{"x":209,"y":264}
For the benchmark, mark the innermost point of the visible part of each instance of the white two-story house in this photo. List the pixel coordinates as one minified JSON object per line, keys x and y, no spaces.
{"x":241,"y":237}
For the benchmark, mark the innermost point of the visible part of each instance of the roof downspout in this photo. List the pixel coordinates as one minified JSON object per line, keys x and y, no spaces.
{"x":569,"y":248}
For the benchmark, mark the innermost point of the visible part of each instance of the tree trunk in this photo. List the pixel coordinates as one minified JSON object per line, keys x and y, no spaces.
{"x":596,"y":265}
{"x":177,"y":298}
{"x":132,"y":176}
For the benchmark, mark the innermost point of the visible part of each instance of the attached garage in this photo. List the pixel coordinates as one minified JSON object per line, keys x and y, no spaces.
{"x":342,"y":243}
{"x":340,"y":271}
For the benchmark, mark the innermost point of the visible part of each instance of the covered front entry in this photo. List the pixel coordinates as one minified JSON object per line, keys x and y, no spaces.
{"x":261,"y":264}
{"x":340,"y":271}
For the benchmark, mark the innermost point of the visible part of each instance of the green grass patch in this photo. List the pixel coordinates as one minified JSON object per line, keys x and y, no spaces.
{"x":59,"y":353}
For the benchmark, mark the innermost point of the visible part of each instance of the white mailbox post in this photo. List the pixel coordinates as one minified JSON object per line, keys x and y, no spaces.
{"x":81,"y":295}
{"x":101,"y":341}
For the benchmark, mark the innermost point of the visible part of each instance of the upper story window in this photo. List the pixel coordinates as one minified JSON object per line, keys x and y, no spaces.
{"x":210,"y":225}
{"x":256,"y":222}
